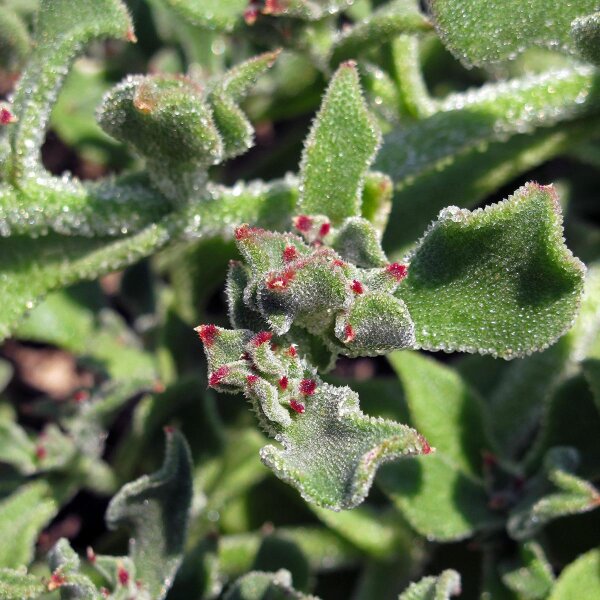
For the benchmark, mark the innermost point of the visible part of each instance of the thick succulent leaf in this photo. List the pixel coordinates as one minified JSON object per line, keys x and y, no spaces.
{"x":212,"y":14}
{"x":18,"y":585}
{"x":73,"y":585}
{"x":260,"y":585}
{"x":32,"y":268}
{"x":443,"y":408}
{"x":14,"y":43}
{"x":478,"y":32}
{"x":156,"y":509}
{"x":386,"y":23}
{"x":62,"y":29}
{"x":437,"y":498}
{"x":440,"y":587}
{"x":16,"y":449}
{"x":498,"y":280}
{"x":541,"y":504}
{"x":377,"y":199}
{"x":22,"y":517}
{"x":475,"y":142}
{"x":580,"y":579}
{"x":586,"y":35}
{"x":338,"y":151}
{"x":533,"y":578}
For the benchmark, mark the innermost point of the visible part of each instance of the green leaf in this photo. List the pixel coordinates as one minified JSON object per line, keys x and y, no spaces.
{"x":156,"y":509}
{"x":532,"y":579}
{"x":16,"y":448}
{"x":443,"y":408}
{"x":580,"y":579}
{"x":477,"y":141}
{"x":480,"y":32}
{"x":389,"y":21}
{"x":498,"y":280}
{"x":212,"y":14}
{"x":338,"y":151}
{"x":586,"y":35}
{"x":63,"y":27}
{"x":441,"y":587}
{"x":14,"y":43}
{"x":23,"y":515}
{"x":259,"y":585}
{"x":18,"y":585}
{"x":65,"y":563}
{"x":541,"y":504}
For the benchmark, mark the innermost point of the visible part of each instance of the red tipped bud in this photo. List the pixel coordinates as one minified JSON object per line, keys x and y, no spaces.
{"x":297,"y":406}
{"x":324,"y":229}
{"x":426,"y":448}
{"x":349,"y":334}
{"x":397,"y":271}
{"x":40,"y":452}
{"x":123,"y":575}
{"x":292,"y":351}
{"x":252,"y":379}
{"x":251,"y":14}
{"x":307,"y":387}
{"x":283,"y":383}
{"x":290,"y":253}
{"x":261,"y":338}
{"x":339,"y":263}
{"x":207,"y":334}
{"x":357,"y":287}
{"x":303,"y":223}
{"x":91,"y":555}
{"x":217,"y":376}
{"x":57,"y":580}
{"x":6,"y":117}
{"x":81,"y":396}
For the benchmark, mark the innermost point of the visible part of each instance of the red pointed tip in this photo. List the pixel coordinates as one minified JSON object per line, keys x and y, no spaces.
{"x":357,"y":287}
{"x":91,"y":555}
{"x":425,"y":447}
{"x":40,"y":452}
{"x":169,"y":429}
{"x":325,"y":229}
{"x":130,"y":36}
{"x":279,"y":283}
{"x":217,"y":376}
{"x":251,"y":14}
{"x":123,"y":575}
{"x":292,"y":351}
{"x":6,"y":117}
{"x":261,"y":338}
{"x":81,"y":396}
{"x":290,"y":253}
{"x":158,"y":387}
{"x":283,"y":383}
{"x":303,"y":223}
{"x":338,"y":263}
{"x":57,"y":580}
{"x":208,"y":334}
{"x":297,"y":406}
{"x":272,"y":7}
{"x":251,"y":379}
{"x":307,"y":387}
{"x":397,"y":271}
{"x":349,"y":334}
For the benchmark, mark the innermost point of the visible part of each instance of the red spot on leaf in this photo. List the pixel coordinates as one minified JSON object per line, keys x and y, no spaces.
{"x":252,"y":379}
{"x":290,"y":253}
{"x":349,"y":333}
{"x":6,"y":117}
{"x":217,"y":376}
{"x":123,"y":575}
{"x":357,"y":287}
{"x":325,"y":229}
{"x":283,"y":383}
{"x":261,"y":338}
{"x":307,"y":387}
{"x":281,"y":282}
{"x":397,"y":271}
{"x":425,"y":447}
{"x":207,"y":334}
{"x":303,"y":223}
{"x":297,"y":406}
{"x":57,"y":580}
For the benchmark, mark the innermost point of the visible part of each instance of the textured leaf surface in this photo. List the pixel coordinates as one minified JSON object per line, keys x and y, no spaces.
{"x":22,"y":517}
{"x":580,"y":579}
{"x":156,"y":509}
{"x":586,"y":35}
{"x":213,"y":14}
{"x":533,"y":579}
{"x":480,"y":32}
{"x":476,"y":142}
{"x":65,"y":564}
{"x":338,"y":151}
{"x":259,"y":585}
{"x":441,"y":587}
{"x":497,"y":281}
{"x":60,"y":35}
{"x":17,"y":585}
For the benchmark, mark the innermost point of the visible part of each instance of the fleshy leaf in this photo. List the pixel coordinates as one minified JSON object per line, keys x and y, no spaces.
{"x":156,"y":509}
{"x":479,"y":32}
{"x":580,"y":579}
{"x":259,"y":585}
{"x":213,"y":14}
{"x":22,"y":517}
{"x":533,"y":578}
{"x":441,"y":587}
{"x":62,"y":29}
{"x":338,"y":151}
{"x":479,"y":140}
{"x":586,"y":34}
{"x":73,"y":585}
{"x":18,"y":585}
{"x":14,"y":43}
{"x":497,"y":280}
{"x":541,"y":504}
